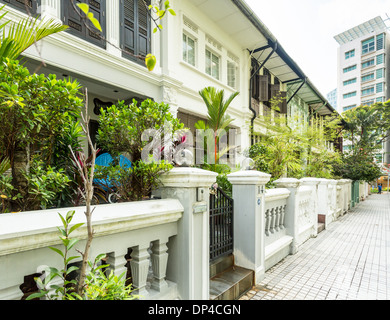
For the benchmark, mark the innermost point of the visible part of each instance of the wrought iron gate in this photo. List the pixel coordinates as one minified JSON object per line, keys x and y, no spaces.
{"x":221,"y":224}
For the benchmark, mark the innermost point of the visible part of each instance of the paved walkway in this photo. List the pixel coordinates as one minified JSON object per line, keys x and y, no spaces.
{"x":350,"y":260}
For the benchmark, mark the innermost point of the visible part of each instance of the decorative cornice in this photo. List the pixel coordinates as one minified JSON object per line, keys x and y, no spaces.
{"x":249,"y":177}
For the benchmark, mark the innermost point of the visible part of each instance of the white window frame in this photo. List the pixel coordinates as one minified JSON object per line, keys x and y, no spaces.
{"x":212,"y":54}
{"x":234,"y":61}
{"x":185,"y":53}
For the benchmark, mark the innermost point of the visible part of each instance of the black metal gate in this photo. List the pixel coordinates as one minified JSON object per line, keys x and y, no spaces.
{"x":221,"y":224}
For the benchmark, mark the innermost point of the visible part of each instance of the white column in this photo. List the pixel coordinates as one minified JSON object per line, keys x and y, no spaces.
{"x":113,"y":28}
{"x":249,"y":225}
{"x":50,"y":9}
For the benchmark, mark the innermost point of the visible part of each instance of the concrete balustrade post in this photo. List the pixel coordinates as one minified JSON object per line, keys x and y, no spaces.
{"x":189,"y":251}
{"x":249,"y":229}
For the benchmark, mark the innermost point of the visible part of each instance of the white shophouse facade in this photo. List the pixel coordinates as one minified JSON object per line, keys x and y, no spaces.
{"x":208,"y":43}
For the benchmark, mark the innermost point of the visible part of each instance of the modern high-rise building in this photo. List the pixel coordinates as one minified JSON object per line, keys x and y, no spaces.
{"x":363,"y":72}
{"x":332,"y":98}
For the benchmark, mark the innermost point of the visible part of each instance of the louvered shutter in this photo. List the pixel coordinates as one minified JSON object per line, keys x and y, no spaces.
{"x":275,"y":89}
{"x":98,"y":8}
{"x":263,"y":88}
{"x":143,"y":28}
{"x":135,"y":29}
{"x":128,"y":26}
{"x":283,"y":106}
{"x":32,"y":5}
{"x":72,"y":18}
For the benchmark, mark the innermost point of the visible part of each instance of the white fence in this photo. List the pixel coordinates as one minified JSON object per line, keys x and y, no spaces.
{"x":165,"y":243}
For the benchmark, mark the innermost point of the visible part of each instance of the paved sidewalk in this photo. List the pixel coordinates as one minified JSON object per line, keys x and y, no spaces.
{"x":350,"y":260}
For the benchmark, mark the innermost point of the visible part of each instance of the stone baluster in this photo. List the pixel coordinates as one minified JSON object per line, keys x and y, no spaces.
{"x":273,"y":220}
{"x":117,"y":262}
{"x":282,"y":210}
{"x":277,"y":218}
{"x":139,"y":269}
{"x":267,"y":222}
{"x":159,"y":258}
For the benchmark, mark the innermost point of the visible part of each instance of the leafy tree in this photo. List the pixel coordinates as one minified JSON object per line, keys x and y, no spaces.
{"x":136,"y":130}
{"x":367,"y":126}
{"x":122,"y":127}
{"x":35,"y":114}
{"x":294,"y":148}
{"x":357,"y":167}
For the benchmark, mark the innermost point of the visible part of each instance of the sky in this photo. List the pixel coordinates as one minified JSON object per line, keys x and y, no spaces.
{"x":306,"y":30}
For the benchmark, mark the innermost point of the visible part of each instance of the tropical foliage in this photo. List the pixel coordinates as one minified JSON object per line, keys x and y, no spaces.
{"x":366,"y":127}
{"x":37,"y":115}
{"x":290,"y":147}
{"x":217,"y":120}
{"x":17,"y":37}
{"x":139,"y":131}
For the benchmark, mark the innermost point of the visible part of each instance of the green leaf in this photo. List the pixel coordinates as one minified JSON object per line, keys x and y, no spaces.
{"x":76,"y":226}
{"x":172,"y":12}
{"x":71,"y":269}
{"x":57,"y":250}
{"x":71,"y":258}
{"x":150,"y":62}
{"x":96,"y":23}
{"x":37,"y":295}
{"x":84,"y":7}
{"x":71,"y":243}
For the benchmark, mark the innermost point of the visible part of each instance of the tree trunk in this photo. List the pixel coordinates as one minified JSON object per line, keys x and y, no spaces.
{"x":20,"y":166}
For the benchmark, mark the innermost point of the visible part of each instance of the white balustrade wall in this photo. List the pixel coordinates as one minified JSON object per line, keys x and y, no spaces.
{"x":164,"y":243}
{"x":277,"y":238}
{"x":143,"y":228}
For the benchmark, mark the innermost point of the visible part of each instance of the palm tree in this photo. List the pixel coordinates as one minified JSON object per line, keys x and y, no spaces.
{"x":24,"y":34}
{"x":217,"y":119}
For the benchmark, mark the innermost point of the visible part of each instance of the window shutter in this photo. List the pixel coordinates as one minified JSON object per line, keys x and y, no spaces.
{"x":283,"y":106}
{"x":263,"y":88}
{"x":128,"y":26}
{"x":73,"y":19}
{"x":136,"y":29}
{"x":98,"y":8}
{"x":77,"y":26}
{"x":143,"y":28}
{"x":275,"y":89}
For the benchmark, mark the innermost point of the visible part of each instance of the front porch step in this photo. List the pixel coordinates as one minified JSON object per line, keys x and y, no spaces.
{"x":231,"y":284}
{"x":320,"y":227}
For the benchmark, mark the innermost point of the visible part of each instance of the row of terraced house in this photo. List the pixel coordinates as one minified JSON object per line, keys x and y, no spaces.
{"x":217,"y":43}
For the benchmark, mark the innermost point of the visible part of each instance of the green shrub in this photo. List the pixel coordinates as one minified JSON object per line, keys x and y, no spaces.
{"x":132,"y":184}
